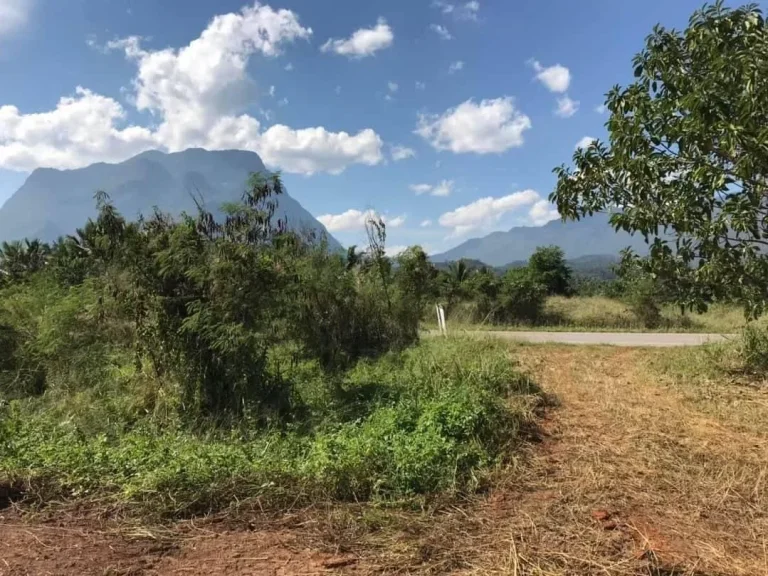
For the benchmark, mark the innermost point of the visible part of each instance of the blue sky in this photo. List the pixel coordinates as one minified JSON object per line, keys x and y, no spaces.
{"x":445,"y":117}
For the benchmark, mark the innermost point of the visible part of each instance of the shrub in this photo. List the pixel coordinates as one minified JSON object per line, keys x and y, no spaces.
{"x":53,"y":338}
{"x":521,"y":297}
{"x":547,"y":265}
{"x":752,"y":349}
{"x":644,"y":301}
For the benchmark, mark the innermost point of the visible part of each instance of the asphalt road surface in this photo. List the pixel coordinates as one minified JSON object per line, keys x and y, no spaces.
{"x":636,"y":339}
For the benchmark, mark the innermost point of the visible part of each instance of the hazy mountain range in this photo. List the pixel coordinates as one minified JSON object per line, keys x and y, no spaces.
{"x":591,"y":236}
{"x":52,"y":203}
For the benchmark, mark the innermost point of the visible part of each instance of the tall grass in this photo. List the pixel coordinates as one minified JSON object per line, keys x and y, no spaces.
{"x":596,"y":313}
{"x":436,"y":418}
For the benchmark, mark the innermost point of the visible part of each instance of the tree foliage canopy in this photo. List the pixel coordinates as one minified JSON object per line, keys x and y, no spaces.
{"x":686,"y":164}
{"x":548,"y":265}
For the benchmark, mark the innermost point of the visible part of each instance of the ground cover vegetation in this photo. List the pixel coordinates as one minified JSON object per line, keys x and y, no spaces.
{"x":185,"y":363}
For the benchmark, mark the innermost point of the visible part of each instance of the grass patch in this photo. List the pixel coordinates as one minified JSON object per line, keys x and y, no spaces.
{"x":438,"y":418}
{"x":726,"y":380}
{"x":601,"y":314}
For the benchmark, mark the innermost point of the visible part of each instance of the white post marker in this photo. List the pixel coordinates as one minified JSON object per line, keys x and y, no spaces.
{"x":441,"y":320}
{"x":442,"y":317}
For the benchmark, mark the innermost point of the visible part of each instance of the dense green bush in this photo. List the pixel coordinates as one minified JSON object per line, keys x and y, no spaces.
{"x":521,"y":297}
{"x":547,"y":265}
{"x":52,"y":336}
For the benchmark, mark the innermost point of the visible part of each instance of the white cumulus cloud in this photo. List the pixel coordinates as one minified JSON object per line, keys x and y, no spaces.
{"x":392,"y":86}
{"x":443,"y":188}
{"x":426,"y":223}
{"x":363,"y":42}
{"x":445,"y":7}
{"x":355,"y":220}
{"x":601,"y":109}
{"x":420,"y":85}
{"x":196,"y":94}
{"x":485,"y":212}
{"x":542,"y":212}
{"x":585,"y":142}
{"x":396,"y":250}
{"x":81,"y":130}
{"x":350,"y":220}
{"x":465,"y":11}
{"x":455,"y":67}
{"x":490,"y":126}
{"x":420,"y":188}
{"x":311,"y":150}
{"x":193,"y":87}
{"x":556,"y":78}
{"x":441,"y":31}
{"x":402,"y":153}
{"x":469,"y":10}
{"x":13,"y":15}
{"x":566,"y":107}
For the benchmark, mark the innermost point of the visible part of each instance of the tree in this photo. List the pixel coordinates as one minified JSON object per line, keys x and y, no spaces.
{"x":686,"y":164}
{"x":521,"y":296}
{"x":643,"y":292}
{"x":484,"y":286}
{"x":454,"y":280}
{"x":416,"y":288}
{"x":548,"y":265}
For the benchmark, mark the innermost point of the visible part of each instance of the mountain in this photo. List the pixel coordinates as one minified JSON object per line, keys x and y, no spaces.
{"x":587,"y":237}
{"x":55,"y":202}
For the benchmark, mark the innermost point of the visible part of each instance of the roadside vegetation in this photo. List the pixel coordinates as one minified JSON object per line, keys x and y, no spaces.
{"x":550,"y":295}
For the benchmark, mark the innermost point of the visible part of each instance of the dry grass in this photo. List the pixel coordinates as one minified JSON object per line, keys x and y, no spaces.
{"x":597,"y":313}
{"x":639,"y":477}
{"x":604,"y":313}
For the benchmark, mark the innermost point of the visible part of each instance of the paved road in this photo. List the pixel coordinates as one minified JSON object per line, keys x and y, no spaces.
{"x":610,"y":338}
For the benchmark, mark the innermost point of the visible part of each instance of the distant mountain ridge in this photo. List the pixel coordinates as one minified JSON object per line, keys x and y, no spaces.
{"x":588,"y":237}
{"x":52,"y":203}
{"x":592,"y":265}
